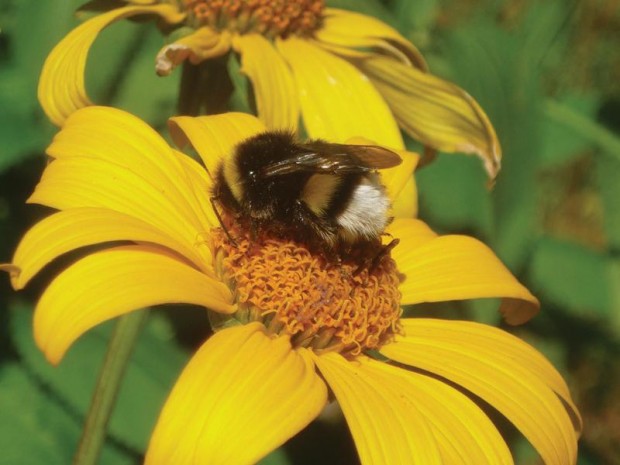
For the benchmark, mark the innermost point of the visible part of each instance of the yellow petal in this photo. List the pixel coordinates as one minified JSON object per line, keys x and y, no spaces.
{"x":112,"y":282}
{"x":213,"y":137}
{"x":406,"y":204}
{"x":203,"y":44}
{"x":78,"y":227}
{"x":387,"y":427}
{"x":499,"y":372}
{"x":349,"y":29}
{"x":456,"y":268}
{"x":61,"y":86}
{"x":119,"y":138}
{"x":274,"y":88}
{"x":434,"y":111}
{"x":394,"y":179}
{"x":337,"y":100}
{"x":412,"y":234}
{"x":82,"y":182}
{"x":242,"y":395}
{"x":464,"y":434}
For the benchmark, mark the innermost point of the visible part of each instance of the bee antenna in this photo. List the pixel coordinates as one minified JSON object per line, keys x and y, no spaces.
{"x":219,"y":218}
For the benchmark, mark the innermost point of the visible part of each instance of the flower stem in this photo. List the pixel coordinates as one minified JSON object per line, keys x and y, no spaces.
{"x":120,"y":347}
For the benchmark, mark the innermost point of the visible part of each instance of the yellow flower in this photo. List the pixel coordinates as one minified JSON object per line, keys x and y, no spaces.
{"x":303,"y":325}
{"x":344,"y":72}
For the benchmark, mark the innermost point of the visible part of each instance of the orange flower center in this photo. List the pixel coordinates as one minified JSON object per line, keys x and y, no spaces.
{"x":348,"y":306}
{"x":273,"y":18}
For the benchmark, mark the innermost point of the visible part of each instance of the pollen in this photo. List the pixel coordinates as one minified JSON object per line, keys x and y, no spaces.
{"x":272,"y":18}
{"x":346,"y":305}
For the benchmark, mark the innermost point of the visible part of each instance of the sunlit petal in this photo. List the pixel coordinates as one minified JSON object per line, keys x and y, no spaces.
{"x":214,"y":137}
{"x":388,"y":428}
{"x":112,"y":282}
{"x":61,"y":86}
{"x":464,"y":434}
{"x":78,"y":227}
{"x":85,"y":182}
{"x":242,"y":395}
{"x":337,"y":100}
{"x":274,"y":88}
{"x":394,"y":179}
{"x":406,"y":204}
{"x":120,"y":139}
{"x":434,"y":111}
{"x":499,"y":372}
{"x":412,"y":234}
{"x":459,"y":267}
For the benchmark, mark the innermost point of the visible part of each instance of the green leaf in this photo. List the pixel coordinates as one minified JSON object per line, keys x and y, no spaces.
{"x":573,"y":277}
{"x":608,"y":175}
{"x":561,"y":142}
{"x":277,"y":457}
{"x":155,"y":365}
{"x":35,"y":428}
{"x":24,"y":130}
{"x":453,"y":196}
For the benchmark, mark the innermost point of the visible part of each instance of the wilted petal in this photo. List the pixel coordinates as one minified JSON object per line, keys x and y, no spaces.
{"x":242,"y":395}
{"x":203,"y":44}
{"x":434,"y":111}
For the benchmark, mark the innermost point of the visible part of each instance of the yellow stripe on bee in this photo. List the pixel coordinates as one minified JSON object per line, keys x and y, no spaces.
{"x":318,"y":191}
{"x":233,"y":177}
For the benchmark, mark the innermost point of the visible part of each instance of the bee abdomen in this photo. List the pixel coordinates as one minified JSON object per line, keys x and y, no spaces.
{"x":366,"y":214}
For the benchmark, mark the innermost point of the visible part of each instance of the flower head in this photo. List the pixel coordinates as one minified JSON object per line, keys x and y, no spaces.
{"x":293,"y":327}
{"x":345,"y":73}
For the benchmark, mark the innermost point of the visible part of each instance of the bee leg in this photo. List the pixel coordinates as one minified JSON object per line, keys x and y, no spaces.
{"x":219,"y":218}
{"x":372,"y":264}
{"x":385,"y":251}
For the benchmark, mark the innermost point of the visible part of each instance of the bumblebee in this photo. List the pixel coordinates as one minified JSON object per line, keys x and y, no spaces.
{"x":317,"y":192}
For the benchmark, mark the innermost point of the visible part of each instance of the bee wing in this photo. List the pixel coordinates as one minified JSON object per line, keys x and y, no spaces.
{"x":325,"y":158}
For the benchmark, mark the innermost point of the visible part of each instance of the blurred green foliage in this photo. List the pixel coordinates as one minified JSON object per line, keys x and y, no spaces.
{"x":548,"y":75}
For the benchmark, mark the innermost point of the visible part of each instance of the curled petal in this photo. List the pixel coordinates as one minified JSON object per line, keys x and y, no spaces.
{"x":241,"y":387}
{"x":337,"y":100}
{"x":199,"y":46}
{"x":434,"y":111}
{"x":490,"y":364}
{"x":274,"y":88}
{"x":61,"y":86}
{"x":459,"y":267}
{"x":112,"y":282}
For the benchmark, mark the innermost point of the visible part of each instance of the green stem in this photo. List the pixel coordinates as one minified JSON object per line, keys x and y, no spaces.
{"x":121,"y":345}
{"x":584,"y":126}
